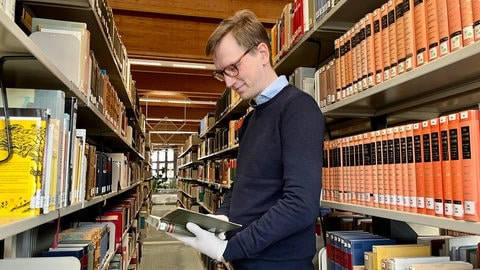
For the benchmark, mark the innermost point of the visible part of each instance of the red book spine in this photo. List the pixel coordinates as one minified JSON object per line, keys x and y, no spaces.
{"x":467,"y":21}
{"x":454,"y":24}
{"x":421,"y":42}
{"x":456,"y":166}
{"x":378,"y":49}
{"x":409,"y":22}
{"x":411,"y":174}
{"x":428,"y":168}
{"x":476,"y":19}
{"x":370,"y":50}
{"x":446,"y":167}
{"x":437,"y":166}
{"x":400,"y":32}
{"x":419,"y":170}
{"x":385,"y":42}
{"x":443,"y":31}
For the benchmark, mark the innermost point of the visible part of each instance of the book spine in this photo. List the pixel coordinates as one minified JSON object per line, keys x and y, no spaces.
{"x":432,"y":29}
{"x":370,"y":50}
{"x":470,"y":129}
{"x":467,"y":21}
{"x":428,"y":168}
{"x":398,"y":175}
{"x":377,"y":170}
{"x":392,"y":38}
{"x":385,"y":42}
{"x":437,"y":166}
{"x":443,"y":31}
{"x":377,"y":41}
{"x":420,"y":32}
{"x":454,"y":24}
{"x":446,"y":167}
{"x":391,"y":170}
{"x":476,"y":19}
{"x":412,"y":185}
{"x":456,"y":166}
{"x":409,"y":36}
{"x":419,"y":170}
{"x":400,"y":32}
{"x":384,"y":195}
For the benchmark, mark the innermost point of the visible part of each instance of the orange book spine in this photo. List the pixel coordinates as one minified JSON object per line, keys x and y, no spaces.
{"x":355,"y":57}
{"x":377,"y":171}
{"x":470,"y":135}
{"x":400,"y":32}
{"x":419,"y":170}
{"x":360,"y":170}
{"x":382,"y":168}
{"x":467,"y":21}
{"x":363,"y":56}
{"x":338,"y":77}
{"x":377,"y":41}
{"x":442,"y":14}
{"x":432,"y":29}
{"x":454,"y":24}
{"x":370,"y":50}
{"x":421,"y":42}
{"x":456,"y":166}
{"x":446,"y":167}
{"x":392,"y":38}
{"x":340,"y":172}
{"x":392,"y":181}
{"x":385,"y":42}
{"x":398,"y":175}
{"x":386,"y":169}
{"x":476,"y":19}
{"x":411,"y":176}
{"x":409,"y":35}
{"x":343,"y":69}
{"x":428,"y":168}
{"x":345,"y":171}
{"x":404,"y":168}
{"x":437,"y":166}
{"x":368,"y":167}
{"x":349,"y":63}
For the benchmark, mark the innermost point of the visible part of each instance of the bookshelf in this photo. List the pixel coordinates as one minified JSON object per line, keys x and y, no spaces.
{"x":442,"y":86}
{"x":19,"y":235}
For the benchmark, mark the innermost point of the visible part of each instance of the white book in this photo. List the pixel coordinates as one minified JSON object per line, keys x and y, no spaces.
{"x":405,"y":262}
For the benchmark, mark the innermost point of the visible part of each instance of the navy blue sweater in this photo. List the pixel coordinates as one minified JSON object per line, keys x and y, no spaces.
{"x":276,"y":191}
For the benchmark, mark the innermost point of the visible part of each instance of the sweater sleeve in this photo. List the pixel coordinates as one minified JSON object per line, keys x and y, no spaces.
{"x":302,"y":129}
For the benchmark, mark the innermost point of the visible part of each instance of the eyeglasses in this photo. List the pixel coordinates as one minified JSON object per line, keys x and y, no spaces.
{"x":231,"y":70}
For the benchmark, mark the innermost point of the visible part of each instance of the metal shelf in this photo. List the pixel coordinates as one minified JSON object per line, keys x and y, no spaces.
{"x":440,"y":222}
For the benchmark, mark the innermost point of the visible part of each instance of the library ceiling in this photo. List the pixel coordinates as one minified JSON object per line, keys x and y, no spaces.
{"x":162,"y":39}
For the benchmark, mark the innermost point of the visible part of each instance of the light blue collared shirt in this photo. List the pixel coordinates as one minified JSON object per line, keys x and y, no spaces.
{"x":273,"y":89}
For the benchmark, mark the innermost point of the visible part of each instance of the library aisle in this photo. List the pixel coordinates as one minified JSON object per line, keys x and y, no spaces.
{"x":161,"y":251}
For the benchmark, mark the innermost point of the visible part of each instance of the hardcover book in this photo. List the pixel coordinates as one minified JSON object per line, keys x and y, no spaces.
{"x":175,"y":221}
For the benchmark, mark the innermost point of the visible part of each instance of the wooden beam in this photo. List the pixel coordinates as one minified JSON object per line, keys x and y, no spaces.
{"x":267,"y":10}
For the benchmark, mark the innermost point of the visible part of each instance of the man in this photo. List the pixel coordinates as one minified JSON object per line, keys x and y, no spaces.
{"x":276,"y":191}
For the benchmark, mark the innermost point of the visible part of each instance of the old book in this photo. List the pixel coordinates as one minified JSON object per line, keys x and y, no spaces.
{"x":409,"y":35}
{"x":378,"y":49}
{"x":428,"y":168}
{"x":437,"y":166}
{"x":385,"y":42}
{"x":456,"y":166}
{"x":453,"y":265}
{"x":454,"y":24}
{"x":398,"y":168}
{"x":466,"y":14}
{"x":392,"y":37}
{"x":421,"y":42}
{"x":443,"y":31}
{"x":419,"y":170}
{"x":390,"y":191}
{"x":476,"y":19}
{"x":392,"y":251}
{"x":400,"y":263}
{"x":446,"y":167}
{"x":24,"y":161}
{"x":175,"y":221}
{"x":400,"y":32}
{"x":470,"y":156}
{"x":370,"y":49}
{"x":411,"y":175}
{"x":432,"y":29}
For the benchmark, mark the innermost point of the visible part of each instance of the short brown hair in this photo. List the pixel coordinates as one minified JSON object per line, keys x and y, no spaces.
{"x":247,"y":30}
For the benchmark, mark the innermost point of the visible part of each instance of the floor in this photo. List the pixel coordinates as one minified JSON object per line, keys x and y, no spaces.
{"x":161,"y":251}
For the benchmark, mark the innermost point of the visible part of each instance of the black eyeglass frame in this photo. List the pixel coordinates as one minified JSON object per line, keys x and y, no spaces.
{"x":230,"y":70}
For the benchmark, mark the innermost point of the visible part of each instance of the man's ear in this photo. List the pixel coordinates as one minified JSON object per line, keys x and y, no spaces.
{"x":262,"y":49}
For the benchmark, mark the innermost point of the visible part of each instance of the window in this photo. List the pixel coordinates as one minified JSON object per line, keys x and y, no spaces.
{"x":163,"y":165}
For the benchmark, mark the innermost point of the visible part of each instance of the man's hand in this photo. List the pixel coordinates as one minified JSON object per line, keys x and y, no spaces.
{"x":204,"y":241}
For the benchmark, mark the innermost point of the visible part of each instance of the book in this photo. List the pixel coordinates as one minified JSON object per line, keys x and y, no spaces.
{"x":400,"y":32}
{"x":470,"y":155}
{"x":446,"y":167}
{"x":411,"y":174}
{"x":432,"y":29}
{"x":454,"y":25}
{"x":409,"y":35}
{"x":385,"y":41}
{"x":392,"y":38}
{"x":476,"y":19}
{"x":453,"y":265}
{"x":437,"y":166}
{"x":399,"y":263}
{"x":421,"y":42}
{"x":466,"y":13}
{"x":428,"y":168}
{"x":443,"y":31}
{"x":175,"y":221}
{"x":391,"y":251}
{"x":22,"y":155}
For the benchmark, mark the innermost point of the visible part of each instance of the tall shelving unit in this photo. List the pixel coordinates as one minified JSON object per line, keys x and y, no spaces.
{"x":42,"y":73}
{"x":447,"y":84}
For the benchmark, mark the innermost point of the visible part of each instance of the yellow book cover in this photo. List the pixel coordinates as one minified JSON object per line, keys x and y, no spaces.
{"x":392,"y":251}
{"x":21,"y":166}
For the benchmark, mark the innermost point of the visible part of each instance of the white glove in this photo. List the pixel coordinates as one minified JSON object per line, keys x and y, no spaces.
{"x":204,"y":241}
{"x":221,"y":217}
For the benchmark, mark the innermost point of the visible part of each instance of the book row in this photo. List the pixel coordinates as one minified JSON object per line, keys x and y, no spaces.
{"x":393,"y":39}
{"x":363,"y":250}
{"x":296,"y":19}
{"x":47,"y":162}
{"x":194,"y":192}
{"x":429,"y":167}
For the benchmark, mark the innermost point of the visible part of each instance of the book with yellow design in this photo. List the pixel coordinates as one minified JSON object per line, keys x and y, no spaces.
{"x":22,"y":166}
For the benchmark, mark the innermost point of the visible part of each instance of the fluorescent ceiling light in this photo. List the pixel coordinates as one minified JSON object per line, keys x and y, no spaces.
{"x":174,"y":64}
{"x":178,"y":101}
{"x":173,"y":120}
{"x":174,"y":132}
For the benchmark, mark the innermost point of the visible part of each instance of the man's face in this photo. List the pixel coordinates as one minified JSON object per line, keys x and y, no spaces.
{"x":242,"y":64}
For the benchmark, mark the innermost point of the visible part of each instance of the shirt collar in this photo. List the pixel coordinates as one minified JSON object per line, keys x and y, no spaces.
{"x":273,"y":89}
